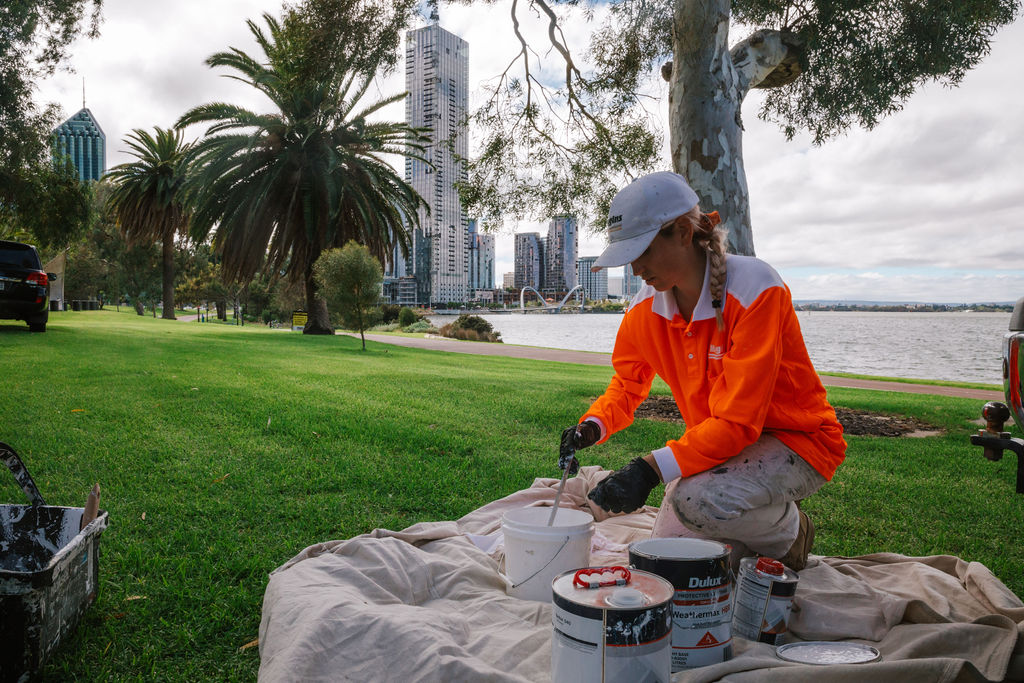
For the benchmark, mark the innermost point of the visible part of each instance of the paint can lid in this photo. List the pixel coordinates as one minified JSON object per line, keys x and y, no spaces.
{"x":767,"y":565}
{"x":644,"y":590}
{"x":679,"y":549}
{"x":826,"y":652}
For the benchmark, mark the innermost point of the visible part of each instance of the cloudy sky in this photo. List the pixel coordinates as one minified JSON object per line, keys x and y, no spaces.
{"x":929,"y":206}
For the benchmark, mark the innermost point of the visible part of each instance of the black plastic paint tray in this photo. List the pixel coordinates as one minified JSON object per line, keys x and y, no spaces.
{"x":49,"y":575}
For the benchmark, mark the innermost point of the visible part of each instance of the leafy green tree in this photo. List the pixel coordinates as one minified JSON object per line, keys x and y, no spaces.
{"x":827,"y":65}
{"x":350,"y":279}
{"x":275,"y":190}
{"x":101,"y":263}
{"x":258,"y":295}
{"x":148,"y":198}
{"x":45,"y":203}
{"x":39,"y":201}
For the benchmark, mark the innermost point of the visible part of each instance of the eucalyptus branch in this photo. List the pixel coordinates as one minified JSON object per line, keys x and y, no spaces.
{"x":570,"y":66}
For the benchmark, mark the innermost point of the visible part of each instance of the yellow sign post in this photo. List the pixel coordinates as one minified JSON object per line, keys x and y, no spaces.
{"x":299,"y":319}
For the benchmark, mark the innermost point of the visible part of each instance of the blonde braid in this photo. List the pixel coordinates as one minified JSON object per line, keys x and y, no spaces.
{"x":707,"y":236}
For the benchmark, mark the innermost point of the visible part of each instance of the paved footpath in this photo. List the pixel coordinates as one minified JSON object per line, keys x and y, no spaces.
{"x":593,"y":358}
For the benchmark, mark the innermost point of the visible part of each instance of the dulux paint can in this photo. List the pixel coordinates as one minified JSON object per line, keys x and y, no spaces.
{"x":764,"y":598}
{"x":700,"y":572}
{"x":611,"y":633}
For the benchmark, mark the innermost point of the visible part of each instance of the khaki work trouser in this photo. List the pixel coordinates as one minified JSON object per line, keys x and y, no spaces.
{"x":749,"y":501}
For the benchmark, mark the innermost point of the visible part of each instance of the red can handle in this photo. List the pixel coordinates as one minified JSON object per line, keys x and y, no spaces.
{"x":621,"y":579}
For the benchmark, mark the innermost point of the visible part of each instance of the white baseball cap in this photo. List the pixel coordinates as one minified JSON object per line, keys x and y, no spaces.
{"x":639,"y":211}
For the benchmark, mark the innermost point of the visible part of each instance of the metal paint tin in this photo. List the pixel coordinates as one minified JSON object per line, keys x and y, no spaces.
{"x":611,"y":633}
{"x":764,"y":598}
{"x":700,"y":573}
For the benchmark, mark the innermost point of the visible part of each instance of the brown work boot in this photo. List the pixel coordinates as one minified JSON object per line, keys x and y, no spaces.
{"x":796,"y":557}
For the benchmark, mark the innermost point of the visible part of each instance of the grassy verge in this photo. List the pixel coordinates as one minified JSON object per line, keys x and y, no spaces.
{"x":223,"y":451}
{"x":927,"y":382}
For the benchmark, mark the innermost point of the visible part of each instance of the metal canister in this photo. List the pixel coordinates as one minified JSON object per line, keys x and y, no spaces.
{"x":764,"y":598}
{"x":611,"y":624}
{"x":699,"y":571}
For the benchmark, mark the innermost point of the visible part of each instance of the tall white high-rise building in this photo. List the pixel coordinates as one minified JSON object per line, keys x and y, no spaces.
{"x":437,"y":79}
{"x":560,"y":255}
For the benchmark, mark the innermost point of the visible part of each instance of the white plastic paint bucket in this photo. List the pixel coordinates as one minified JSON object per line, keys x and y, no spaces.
{"x":611,"y":631}
{"x":536,"y":553}
{"x":700,"y":572}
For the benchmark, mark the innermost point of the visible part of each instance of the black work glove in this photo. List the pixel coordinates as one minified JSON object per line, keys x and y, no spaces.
{"x":626,"y":489}
{"x":574,"y":438}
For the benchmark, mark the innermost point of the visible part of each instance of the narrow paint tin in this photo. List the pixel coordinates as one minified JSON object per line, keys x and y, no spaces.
{"x":620,"y":632}
{"x":764,"y":598}
{"x":700,"y":573}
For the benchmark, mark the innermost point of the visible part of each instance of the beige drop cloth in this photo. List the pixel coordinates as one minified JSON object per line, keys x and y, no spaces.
{"x":427,"y":604}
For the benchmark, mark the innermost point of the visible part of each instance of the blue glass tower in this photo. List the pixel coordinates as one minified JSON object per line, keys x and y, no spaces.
{"x":82,"y":139}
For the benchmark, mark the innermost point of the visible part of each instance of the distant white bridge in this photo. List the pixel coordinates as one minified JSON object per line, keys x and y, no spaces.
{"x":552,"y":308}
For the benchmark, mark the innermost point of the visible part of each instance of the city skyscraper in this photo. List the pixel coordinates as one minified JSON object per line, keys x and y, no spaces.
{"x":560,"y":253}
{"x":481,"y":259}
{"x":631,"y":284}
{"x":82,"y":139}
{"x":437,"y":79}
{"x":595,"y":285}
{"x":529,"y":260}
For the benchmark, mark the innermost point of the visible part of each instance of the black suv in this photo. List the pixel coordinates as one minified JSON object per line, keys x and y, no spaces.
{"x":24,"y":287}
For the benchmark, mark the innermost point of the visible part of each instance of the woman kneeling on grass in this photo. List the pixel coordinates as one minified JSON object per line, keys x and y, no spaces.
{"x":721,"y":331}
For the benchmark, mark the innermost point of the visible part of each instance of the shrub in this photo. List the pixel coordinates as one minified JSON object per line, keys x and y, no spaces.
{"x":472,"y":322}
{"x":390,"y":313}
{"x":473,"y":331}
{"x":421,"y":326}
{"x":407,"y":316}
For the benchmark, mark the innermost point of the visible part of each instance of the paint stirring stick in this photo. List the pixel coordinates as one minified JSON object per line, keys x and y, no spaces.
{"x":558,"y":495}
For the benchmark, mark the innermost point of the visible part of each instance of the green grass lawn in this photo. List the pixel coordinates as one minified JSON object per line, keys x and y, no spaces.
{"x":223,"y":451}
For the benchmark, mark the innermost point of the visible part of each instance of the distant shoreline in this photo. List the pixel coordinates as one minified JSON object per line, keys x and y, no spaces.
{"x":798,"y":305}
{"x":902,"y":308}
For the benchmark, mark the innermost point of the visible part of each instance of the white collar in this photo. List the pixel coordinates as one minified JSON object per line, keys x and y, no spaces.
{"x":664,"y":303}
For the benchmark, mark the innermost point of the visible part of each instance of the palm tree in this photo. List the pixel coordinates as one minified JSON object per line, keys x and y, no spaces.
{"x":277,"y":189}
{"x":148,"y":198}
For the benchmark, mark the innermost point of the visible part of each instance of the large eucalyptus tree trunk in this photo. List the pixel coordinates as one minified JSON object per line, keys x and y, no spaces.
{"x":707,"y":84}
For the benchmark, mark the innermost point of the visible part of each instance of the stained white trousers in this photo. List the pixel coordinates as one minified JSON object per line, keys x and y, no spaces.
{"x":748,"y":501}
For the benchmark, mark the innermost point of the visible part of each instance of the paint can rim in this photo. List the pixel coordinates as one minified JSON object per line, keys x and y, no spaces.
{"x":710,"y":550}
{"x":827,"y":653}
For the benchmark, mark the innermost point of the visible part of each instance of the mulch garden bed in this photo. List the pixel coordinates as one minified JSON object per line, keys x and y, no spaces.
{"x":855,"y":422}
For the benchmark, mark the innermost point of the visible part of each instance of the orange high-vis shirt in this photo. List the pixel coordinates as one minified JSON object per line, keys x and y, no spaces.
{"x":731,"y":385}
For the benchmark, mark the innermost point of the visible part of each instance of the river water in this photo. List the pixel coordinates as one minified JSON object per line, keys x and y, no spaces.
{"x":956,"y":346}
